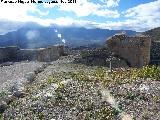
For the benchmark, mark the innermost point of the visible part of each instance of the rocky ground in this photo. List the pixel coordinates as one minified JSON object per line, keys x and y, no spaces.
{"x":67,"y":91}
{"x":17,"y":70}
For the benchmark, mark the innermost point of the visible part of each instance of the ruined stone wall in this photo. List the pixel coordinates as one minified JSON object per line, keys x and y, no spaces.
{"x":27,"y":54}
{"x":135,"y":50}
{"x":155,"y":52}
{"x":8,"y":53}
{"x":43,"y":54}
{"x":49,"y":54}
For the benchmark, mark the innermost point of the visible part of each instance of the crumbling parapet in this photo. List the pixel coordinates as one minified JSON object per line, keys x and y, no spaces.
{"x":135,"y":50}
{"x":48,"y":54}
{"x":42,"y":54}
{"x":8,"y":53}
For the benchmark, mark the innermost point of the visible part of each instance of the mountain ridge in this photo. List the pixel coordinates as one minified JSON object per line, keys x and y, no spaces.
{"x":38,"y":36}
{"x":154,"y":34}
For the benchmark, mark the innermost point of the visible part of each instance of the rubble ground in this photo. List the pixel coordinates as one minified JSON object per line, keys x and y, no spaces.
{"x":68,"y":91}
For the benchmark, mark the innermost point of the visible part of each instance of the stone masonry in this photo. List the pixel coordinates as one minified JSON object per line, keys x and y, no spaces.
{"x":135,"y":50}
{"x":48,"y":54}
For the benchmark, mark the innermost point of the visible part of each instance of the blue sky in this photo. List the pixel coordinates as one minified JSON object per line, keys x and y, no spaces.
{"x":138,"y":15}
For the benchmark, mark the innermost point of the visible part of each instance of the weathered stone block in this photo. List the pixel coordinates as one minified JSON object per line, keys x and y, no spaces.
{"x":30,"y":77}
{"x":8,"y":53}
{"x":135,"y":50}
{"x":3,"y":106}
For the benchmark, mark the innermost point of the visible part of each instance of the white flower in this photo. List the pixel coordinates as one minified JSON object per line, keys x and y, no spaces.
{"x":125,"y":116}
{"x":48,"y":94}
{"x":143,"y":87}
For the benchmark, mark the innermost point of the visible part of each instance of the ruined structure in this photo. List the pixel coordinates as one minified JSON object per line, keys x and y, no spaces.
{"x":155,"y":53}
{"x":8,"y":53}
{"x":135,"y":50}
{"x":42,"y":54}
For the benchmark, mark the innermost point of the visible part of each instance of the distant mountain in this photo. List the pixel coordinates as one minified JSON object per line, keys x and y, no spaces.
{"x":35,"y":36}
{"x":154,"y":34}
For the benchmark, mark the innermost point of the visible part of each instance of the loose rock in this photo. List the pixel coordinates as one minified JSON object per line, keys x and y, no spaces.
{"x":30,"y":77}
{"x":3,"y":106}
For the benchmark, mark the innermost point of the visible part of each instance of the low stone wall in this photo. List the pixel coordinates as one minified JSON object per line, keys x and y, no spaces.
{"x":43,"y":54}
{"x":48,"y":54}
{"x":135,"y":50}
{"x":8,"y":53}
{"x":26,"y":54}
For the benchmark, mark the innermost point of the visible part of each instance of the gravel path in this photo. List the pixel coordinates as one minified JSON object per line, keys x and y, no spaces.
{"x":17,"y":70}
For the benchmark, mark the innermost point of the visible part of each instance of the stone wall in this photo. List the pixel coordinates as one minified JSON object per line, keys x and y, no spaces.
{"x":135,"y":50}
{"x":8,"y":53}
{"x":27,"y":54}
{"x":42,"y":54}
{"x":49,"y":54}
{"x":155,"y":52}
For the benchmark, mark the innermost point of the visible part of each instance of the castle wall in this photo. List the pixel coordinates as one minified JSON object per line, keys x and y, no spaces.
{"x":8,"y":53}
{"x":135,"y":50}
{"x":26,"y":54}
{"x":43,"y":54}
{"x":48,"y":54}
{"x":155,"y":52}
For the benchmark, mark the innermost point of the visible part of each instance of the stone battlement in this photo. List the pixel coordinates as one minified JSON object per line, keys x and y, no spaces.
{"x":13,"y":53}
{"x":135,"y":50}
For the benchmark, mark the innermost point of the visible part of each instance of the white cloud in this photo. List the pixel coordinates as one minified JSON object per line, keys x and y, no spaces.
{"x":107,"y":13}
{"x":120,"y":25}
{"x":66,"y":21}
{"x":129,"y":24}
{"x":151,"y":10}
{"x":42,"y":13}
{"x":8,"y":26}
{"x":85,"y":8}
{"x":111,"y":3}
{"x":15,"y":11}
{"x":19,"y":12}
{"x":146,"y":16}
{"x":139,"y":18}
{"x":80,"y":9}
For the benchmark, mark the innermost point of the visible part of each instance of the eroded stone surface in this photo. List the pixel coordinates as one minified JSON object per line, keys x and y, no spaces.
{"x":135,"y":50}
{"x":13,"y":53}
{"x":3,"y":106}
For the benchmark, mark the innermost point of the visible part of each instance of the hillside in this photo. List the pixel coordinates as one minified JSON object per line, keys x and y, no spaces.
{"x":155,"y":47}
{"x":154,"y":34}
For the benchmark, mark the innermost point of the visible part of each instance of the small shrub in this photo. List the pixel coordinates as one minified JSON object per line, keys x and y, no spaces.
{"x":2,"y":94}
{"x":152,"y":72}
{"x":106,"y":114}
{"x":53,"y":79}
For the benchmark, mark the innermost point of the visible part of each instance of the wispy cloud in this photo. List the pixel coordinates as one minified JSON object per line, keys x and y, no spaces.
{"x":42,"y":13}
{"x":8,"y":26}
{"x":15,"y":11}
{"x":147,"y":15}
{"x":143,"y":11}
{"x":86,"y":8}
{"x":139,"y":18}
{"x":111,"y":3}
